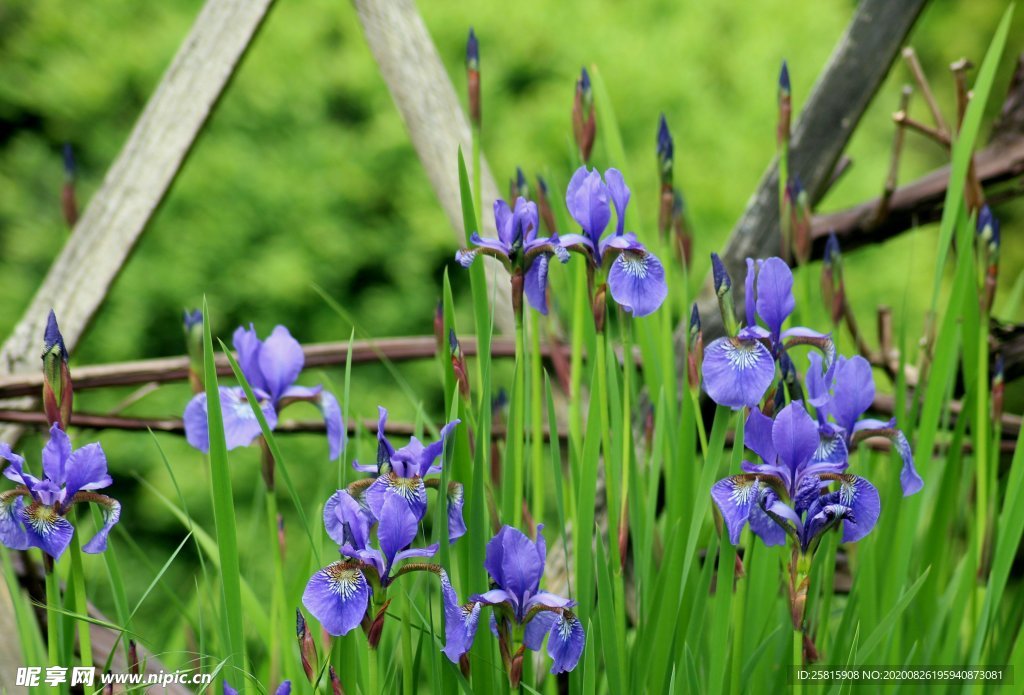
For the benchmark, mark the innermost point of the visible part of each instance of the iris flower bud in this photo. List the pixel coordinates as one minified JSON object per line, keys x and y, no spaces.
{"x":58,"y":392}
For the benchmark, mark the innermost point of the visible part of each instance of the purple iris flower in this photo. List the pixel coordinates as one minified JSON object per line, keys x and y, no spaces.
{"x":636,"y":277}
{"x":788,"y":493}
{"x":402,"y":473}
{"x":271,"y":367}
{"x":519,"y":248}
{"x":284,"y":689}
{"x":738,"y":370}
{"x":840,"y":403}
{"x":32,"y":515}
{"x":516,"y":565}
{"x":339,"y":594}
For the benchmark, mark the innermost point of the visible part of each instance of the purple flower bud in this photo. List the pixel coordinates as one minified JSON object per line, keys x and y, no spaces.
{"x":542,"y":185}
{"x":453,"y":342}
{"x":584,"y":84}
{"x":666,"y":150}
{"x":832,"y":252}
{"x":988,"y":228}
{"x":69,"y":161}
{"x":472,"y":51}
{"x":53,"y":341}
{"x":58,"y":391}
{"x":695,"y":326}
{"x":784,"y":85}
{"x":473,"y":78}
{"x":191,"y":319}
{"x":723,"y":283}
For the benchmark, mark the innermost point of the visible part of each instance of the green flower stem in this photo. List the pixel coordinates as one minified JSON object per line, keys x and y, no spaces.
{"x":579,"y":311}
{"x":798,"y":659}
{"x":613,"y":476}
{"x":277,"y":601}
{"x":536,"y":420}
{"x":54,"y":623}
{"x":981,"y":435}
{"x":514,"y":445}
{"x":81,"y":604}
{"x":627,"y":429}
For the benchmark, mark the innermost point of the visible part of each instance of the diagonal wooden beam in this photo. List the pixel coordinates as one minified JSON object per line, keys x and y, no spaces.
{"x":115,"y":218}
{"x":104,"y":236}
{"x":424,"y":94}
{"x":855,"y":71}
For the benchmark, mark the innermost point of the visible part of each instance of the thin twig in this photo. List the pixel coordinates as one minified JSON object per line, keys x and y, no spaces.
{"x":176,"y":425}
{"x":167,"y":369}
{"x":901,"y":118}
{"x":894,"y":161}
{"x":910,"y":56}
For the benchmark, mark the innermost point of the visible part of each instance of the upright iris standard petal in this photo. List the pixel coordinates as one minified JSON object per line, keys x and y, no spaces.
{"x":818,"y":390}
{"x":421,"y":458}
{"x":396,"y":529}
{"x":757,"y":435}
{"x":587,"y":200}
{"x":795,"y":436}
{"x":636,"y":280}
{"x":337,"y":596}
{"x":619,"y":192}
{"x":347,"y":521}
{"x":504,"y":224}
{"x":248,"y":346}
{"x":737,"y":373}
{"x":281,"y":360}
{"x":853,"y":391}
{"x":460,"y":622}
{"x":522,"y":564}
{"x":735,"y":497}
{"x":55,"y":454}
{"x":86,"y":469}
{"x":774,"y":294}
{"x":566,"y":642}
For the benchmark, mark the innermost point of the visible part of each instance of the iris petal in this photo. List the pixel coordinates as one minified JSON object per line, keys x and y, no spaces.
{"x":46,"y":529}
{"x":12,"y":524}
{"x":735,"y":497}
{"x":636,"y":281}
{"x":535,"y":283}
{"x":337,"y":596}
{"x":737,"y":373}
{"x":86,"y":469}
{"x":111,"y":512}
{"x":55,"y":455}
{"x":460,"y":622}
{"x":280,"y":361}
{"x":774,"y":294}
{"x":795,"y":436}
{"x":565,"y":642}
{"x":862,"y":497}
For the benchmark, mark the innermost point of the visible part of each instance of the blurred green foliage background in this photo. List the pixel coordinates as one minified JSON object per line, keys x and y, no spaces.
{"x":305,"y":176}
